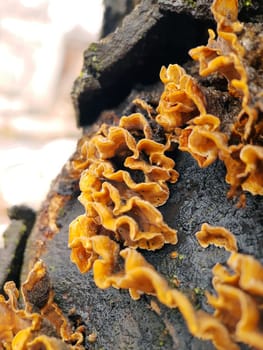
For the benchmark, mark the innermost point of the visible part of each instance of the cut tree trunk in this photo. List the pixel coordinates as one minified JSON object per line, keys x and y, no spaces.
{"x":116,"y":70}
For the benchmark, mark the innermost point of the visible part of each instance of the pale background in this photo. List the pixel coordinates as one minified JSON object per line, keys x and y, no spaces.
{"x":41,"y":50}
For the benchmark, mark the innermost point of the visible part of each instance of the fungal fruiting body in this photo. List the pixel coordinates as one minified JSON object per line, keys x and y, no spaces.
{"x":124,"y":181}
{"x":26,"y":329}
{"x":125,"y":172}
{"x":183,"y":102}
{"x":219,"y":236}
{"x":242,"y":150}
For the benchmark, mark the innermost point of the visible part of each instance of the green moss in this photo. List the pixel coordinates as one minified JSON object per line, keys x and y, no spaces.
{"x":93,"y":47}
{"x":23,"y":229}
{"x":96,"y":68}
{"x":181,"y":257}
{"x":247,"y":3}
{"x":162,"y":339}
{"x":198,"y":291}
{"x":197,"y":306}
{"x":191,"y":3}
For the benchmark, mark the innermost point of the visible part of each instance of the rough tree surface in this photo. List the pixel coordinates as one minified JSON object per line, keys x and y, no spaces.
{"x":15,"y":238}
{"x":127,"y":63}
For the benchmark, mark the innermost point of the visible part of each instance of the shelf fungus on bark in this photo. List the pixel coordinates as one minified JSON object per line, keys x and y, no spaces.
{"x":239,"y":290}
{"x":238,"y":302}
{"x":181,"y":100}
{"x":139,"y":277}
{"x":227,"y":56}
{"x":183,"y":109}
{"x":125,"y":181}
{"x":125,"y":178}
{"x":41,"y":323}
{"x":216,"y":235}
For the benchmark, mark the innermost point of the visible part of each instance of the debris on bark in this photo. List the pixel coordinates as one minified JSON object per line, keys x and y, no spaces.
{"x":111,"y":318}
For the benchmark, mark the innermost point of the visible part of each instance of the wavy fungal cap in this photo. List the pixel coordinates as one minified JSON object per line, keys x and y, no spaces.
{"x":22,"y":329}
{"x":125,"y":177}
{"x":183,"y":109}
{"x":218,"y":236}
{"x":116,"y":203}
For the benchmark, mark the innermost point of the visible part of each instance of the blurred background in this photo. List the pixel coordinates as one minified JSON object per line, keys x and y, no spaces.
{"x":41,"y":50}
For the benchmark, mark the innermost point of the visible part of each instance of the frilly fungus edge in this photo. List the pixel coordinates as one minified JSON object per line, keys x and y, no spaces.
{"x":125,"y":179}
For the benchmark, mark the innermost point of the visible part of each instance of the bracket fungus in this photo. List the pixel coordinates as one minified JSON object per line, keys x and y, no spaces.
{"x":183,"y":108}
{"x":181,"y":100}
{"x":117,"y":205}
{"x":125,"y":176}
{"x":219,"y":236}
{"x":227,"y":56}
{"x":126,"y":170}
{"x":41,"y":323}
{"x":239,"y":298}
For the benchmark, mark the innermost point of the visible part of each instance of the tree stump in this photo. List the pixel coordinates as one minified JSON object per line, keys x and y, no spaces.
{"x":116,"y":70}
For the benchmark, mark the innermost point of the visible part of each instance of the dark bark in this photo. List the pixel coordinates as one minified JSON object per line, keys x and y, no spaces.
{"x":127,"y":62}
{"x":114,"y":12}
{"x":147,"y":39}
{"x":15,"y":238}
{"x":156,"y":33}
{"x":199,"y":196}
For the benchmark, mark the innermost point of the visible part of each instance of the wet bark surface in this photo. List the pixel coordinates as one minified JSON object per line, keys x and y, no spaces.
{"x":154,"y":34}
{"x":134,"y":53}
{"x":200,"y":195}
{"x":120,"y":322}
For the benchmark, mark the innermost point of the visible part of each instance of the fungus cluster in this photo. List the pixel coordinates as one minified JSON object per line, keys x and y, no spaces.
{"x":238,"y":302}
{"x":125,"y":172}
{"x":125,"y":180}
{"x":41,"y":324}
{"x":226,"y":56}
{"x":183,"y":102}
